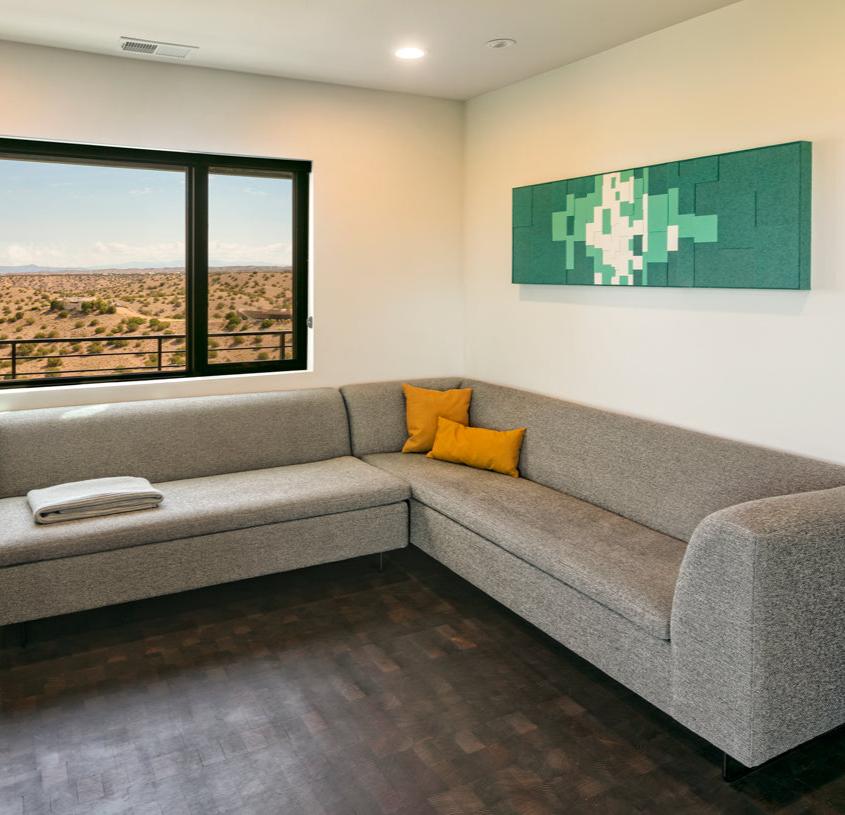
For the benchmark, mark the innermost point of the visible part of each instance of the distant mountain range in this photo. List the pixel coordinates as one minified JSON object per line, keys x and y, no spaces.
{"x":32,"y":268}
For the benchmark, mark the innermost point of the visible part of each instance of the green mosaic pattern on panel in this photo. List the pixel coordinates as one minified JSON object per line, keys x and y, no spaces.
{"x":735,"y":220}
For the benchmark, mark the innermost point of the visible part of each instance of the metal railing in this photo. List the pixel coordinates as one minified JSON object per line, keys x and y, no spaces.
{"x":20,"y":351}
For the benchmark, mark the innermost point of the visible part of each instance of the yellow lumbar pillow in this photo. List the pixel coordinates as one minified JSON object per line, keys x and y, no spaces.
{"x":422,"y":409}
{"x":496,"y":450}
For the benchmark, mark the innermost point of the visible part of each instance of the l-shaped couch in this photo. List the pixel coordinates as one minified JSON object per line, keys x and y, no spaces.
{"x":704,"y":574}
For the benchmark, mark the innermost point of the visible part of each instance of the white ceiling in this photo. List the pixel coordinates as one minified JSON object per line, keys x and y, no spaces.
{"x":351,"y":41}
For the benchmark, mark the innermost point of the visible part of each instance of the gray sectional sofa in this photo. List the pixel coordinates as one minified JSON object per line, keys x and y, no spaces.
{"x":253,"y":485}
{"x":704,"y":574}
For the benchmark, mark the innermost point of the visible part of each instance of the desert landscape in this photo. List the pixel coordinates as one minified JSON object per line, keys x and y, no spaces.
{"x":112,"y":320}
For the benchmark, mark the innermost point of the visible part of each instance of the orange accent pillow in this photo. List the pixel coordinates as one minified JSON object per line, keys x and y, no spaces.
{"x":496,"y":450}
{"x":422,"y":409}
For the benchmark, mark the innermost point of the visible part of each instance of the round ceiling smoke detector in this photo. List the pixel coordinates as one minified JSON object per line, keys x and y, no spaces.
{"x":501,"y":42}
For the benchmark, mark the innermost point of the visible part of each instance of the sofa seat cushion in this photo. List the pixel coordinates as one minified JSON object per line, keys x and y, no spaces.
{"x":626,"y":567}
{"x":202,"y":506}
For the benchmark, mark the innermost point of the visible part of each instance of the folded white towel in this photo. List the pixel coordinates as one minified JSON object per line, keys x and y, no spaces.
{"x":89,"y":499}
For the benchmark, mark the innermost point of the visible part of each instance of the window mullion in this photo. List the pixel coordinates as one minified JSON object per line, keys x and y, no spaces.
{"x":198,"y":276}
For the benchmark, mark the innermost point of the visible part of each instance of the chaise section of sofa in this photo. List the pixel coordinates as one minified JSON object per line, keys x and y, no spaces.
{"x":704,"y":574}
{"x":252,"y":485}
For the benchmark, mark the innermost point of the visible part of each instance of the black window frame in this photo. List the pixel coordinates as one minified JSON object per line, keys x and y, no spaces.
{"x":197,"y":167}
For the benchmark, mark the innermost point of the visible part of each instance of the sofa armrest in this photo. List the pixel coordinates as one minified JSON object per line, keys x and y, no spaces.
{"x":758,"y":625}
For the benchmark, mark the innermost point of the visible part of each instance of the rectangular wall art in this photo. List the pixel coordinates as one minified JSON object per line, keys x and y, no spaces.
{"x":734,"y":220}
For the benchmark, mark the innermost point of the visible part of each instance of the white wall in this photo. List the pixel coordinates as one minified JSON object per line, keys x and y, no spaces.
{"x":760,"y":366}
{"x":387,"y":195}
{"x":390,"y":299}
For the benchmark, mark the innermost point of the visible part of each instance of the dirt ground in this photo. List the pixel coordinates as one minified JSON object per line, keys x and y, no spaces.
{"x":109,"y":316}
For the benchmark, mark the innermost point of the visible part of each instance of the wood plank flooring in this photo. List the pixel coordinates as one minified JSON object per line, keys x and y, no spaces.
{"x":340,"y":690}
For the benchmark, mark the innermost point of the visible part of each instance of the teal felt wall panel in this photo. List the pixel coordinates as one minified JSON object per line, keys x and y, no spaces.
{"x":733,"y":220}
{"x":805,"y":212}
{"x":522,"y":197}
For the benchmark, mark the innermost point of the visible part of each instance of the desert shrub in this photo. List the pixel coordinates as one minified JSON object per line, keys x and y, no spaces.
{"x":57,"y":305}
{"x":177,"y":358}
{"x":100,"y":329}
{"x":266,"y":323}
{"x":62,"y":314}
{"x":79,"y":324}
{"x":237,"y":340}
{"x":54,"y":362}
{"x":95,"y":347}
{"x":97,"y":305}
{"x":262,"y":355}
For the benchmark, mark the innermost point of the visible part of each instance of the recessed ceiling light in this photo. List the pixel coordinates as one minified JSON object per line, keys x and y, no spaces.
{"x":501,"y":42}
{"x":409,"y":52}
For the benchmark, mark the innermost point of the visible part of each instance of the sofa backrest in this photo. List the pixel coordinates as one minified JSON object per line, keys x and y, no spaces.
{"x":170,"y":439}
{"x":377,"y":413}
{"x":659,"y":475}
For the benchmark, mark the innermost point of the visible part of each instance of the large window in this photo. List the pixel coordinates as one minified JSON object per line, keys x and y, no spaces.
{"x":128,"y":264}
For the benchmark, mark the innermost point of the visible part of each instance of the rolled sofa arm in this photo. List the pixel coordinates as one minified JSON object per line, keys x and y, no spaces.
{"x":758,"y":625}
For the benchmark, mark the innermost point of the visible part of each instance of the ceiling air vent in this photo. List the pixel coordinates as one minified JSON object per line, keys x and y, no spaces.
{"x":152,"y":48}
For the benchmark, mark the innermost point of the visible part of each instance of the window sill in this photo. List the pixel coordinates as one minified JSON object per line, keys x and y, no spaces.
{"x":88,"y":393}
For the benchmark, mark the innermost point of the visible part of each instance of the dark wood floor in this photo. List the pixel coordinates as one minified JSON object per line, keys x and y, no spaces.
{"x":342,"y":691}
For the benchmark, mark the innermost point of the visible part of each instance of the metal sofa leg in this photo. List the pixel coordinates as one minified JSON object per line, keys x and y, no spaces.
{"x":732,"y":770}
{"x":14,"y":635}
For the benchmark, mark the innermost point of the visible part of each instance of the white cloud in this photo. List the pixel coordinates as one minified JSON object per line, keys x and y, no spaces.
{"x":101,"y":253}
{"x":223,"y":253}
{"x":141,"y":191}
{"x":115,"y":253}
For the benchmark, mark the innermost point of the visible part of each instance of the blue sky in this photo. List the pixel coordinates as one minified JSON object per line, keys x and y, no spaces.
{"x":73,"y":216}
